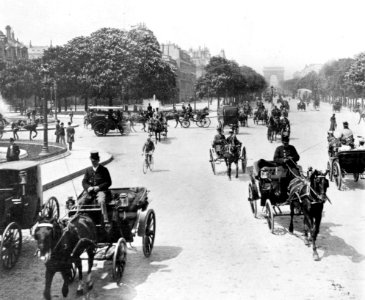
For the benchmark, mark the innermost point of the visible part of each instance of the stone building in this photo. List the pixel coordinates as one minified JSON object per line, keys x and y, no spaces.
{"x":10,"y":48}
{"x":201,"y":58}
{"x":186,"y":70}
{"x":35,"y":52}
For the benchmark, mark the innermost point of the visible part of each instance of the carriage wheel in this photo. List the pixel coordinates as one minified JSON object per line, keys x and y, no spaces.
{"x":205,"y":122}
{"x":329,"y":171}
{"x":356,"y":177}
{"x":100,"y":129}
{"x":119,"y":260}
{"x":51,"y":209}
{"x":149,"y":233}
{"x":212,"y":162}
{"x":253,"y":202}
{"x":243,"y":160}
{"x":336,"y":173}
{"x":126,"y":130}
{"x":185,"y":123}
{"x":269,"y":215}
{"x":11,"y":245}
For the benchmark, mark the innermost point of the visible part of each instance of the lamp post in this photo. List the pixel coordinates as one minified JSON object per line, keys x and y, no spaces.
{"x":272,"y":94}
{"x":55,"y":99}
{"x":45,"y":73}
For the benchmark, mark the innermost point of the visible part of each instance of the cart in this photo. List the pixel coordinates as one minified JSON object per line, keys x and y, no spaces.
{"x":21,"y":202}
{"x":228,"y":116}
{"x":345,"y":163}
{"x":216,"y":157}
{"x":127,"y":208}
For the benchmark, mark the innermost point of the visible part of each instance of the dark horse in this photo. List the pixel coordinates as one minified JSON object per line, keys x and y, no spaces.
{"x":310,"y":197}
{"x":61,"y":245}
{"x":157,"y":127}
{"x":32,"y":128}
{"x":231,"y":155}
{"x":273,"y":128}
{"x":243,"y":117}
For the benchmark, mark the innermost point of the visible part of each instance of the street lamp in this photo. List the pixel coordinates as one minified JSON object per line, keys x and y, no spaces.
{"x":45,"y":74}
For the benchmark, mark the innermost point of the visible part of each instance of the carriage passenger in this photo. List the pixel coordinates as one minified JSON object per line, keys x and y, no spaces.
{"x":219,"y":140}
{"x":347,"y":136}
{"x":232,"y":139}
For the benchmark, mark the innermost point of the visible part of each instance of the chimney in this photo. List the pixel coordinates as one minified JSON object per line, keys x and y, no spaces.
{"x":8,"y":32}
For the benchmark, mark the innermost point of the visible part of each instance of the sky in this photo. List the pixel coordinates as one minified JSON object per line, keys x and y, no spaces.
{"x":255,"y":33}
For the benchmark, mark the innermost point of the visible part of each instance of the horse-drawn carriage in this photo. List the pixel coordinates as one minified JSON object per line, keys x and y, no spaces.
{"x":262,"y":115}
{"x":277,"y":126}
{"x":345,"y":163}
{"x":107,"y":118}
{"x":301,"y":105}
{"x":226,"y":153}
{"x":200,"y":118}
{"x":21,"y":203}
{"x":336,"y":107}
{"x":228,"y":116}
{"x":275,"y":187}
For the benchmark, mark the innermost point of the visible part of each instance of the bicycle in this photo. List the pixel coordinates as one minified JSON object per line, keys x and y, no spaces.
{"x":148,"y":162}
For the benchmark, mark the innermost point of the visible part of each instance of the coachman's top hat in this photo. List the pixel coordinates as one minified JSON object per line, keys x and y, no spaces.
{"x":94,"y":155}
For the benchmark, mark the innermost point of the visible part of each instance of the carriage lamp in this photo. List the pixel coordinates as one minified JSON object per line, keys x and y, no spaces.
{"x":23,"y":180}
{"x":123,"y":197}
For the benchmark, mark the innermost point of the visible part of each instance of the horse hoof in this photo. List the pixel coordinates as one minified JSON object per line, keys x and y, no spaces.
{"x":316,"y":257}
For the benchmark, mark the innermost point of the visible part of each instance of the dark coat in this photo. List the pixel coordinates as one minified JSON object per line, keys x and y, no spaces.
{"x":100,"y":178}
{"x":283,"y":152}
{"x":13,"y":156}
{"x":70,"y":134}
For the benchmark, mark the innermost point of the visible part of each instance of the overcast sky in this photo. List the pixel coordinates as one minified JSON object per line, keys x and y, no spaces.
{"x":256,"y":33}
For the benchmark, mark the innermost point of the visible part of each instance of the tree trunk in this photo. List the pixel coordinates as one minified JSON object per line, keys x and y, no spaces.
{"x":66,"y":104}
{"x":86,"y":103}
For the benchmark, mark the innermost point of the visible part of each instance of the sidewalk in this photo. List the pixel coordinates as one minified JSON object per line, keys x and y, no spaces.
{"x":68,"y":166}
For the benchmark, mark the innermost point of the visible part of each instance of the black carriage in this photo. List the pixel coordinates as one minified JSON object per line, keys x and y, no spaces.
{"x":127,"y":208}
{"x":267,"y":187}
{"x":21,"y":202}
{"x":301,"y":106}
{"x":228,"y":116}
{"x":216,"y":157}
{"x":336,"y":107}
{"x":200,"y":118}
{"x":345,"y":163}
{"x":107,"y":118}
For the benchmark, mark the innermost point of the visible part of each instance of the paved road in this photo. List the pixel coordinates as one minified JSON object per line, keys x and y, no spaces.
{"x":208,"y":245}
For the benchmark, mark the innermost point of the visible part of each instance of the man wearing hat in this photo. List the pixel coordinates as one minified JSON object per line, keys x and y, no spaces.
{"x":232,"y":139}
{"x":96,"y":183}
{"x":13,"y":151}
{"x":219,"y":140}
{"x":347,"y":137}
{"x":285,"y":153}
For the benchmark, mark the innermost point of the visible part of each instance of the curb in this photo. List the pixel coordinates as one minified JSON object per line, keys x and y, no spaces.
{"x":78,"y":173}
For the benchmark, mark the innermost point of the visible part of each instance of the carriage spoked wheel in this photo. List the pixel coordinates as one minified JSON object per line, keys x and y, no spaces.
{"x":269,"y":215}
{"x":356,"y":177}
{"x":11,"y":245}
{"x":185,"y":123}
{"x":148,"y":237}
{"x":125,"y":130}
{"x":329,"y":171}
{"x":119,"y":260}
{"x":205,"y":122}
{"x":336,"y":173}
{"x":100,"y":129}
{"x":253,"y":202}
{"x":212,"y":161}
{"x":51,"y":209}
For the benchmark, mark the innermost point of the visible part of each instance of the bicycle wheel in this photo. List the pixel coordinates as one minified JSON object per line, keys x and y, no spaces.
{"x":151,"y":164}
{"x":145,"y":166}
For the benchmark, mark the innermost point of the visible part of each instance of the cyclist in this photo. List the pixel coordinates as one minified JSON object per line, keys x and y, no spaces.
{"x":148,"y":149}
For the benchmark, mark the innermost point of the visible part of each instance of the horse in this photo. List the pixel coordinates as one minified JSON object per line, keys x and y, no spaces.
{"x":284,"y":128}
{"x":309,"y":196}
{"x":231,"y":154}
{"x":155,"y":126}
{"x":260,"y":115}
{"x":32,"y":128}
{"x":243,"y":117}
{"x":61,"y":245}
{"x":273,"y":128}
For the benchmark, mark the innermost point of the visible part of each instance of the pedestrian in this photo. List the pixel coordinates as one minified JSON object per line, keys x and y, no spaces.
{"x":70,"y":135}
{"x":333,"y":124}
{"x":62,"y":134}
{"x":71,"y":114}
{"x":131,"y":123}
{"x":13,"y":151}
{"x":57,"y":131}
{"x":15,"y":128}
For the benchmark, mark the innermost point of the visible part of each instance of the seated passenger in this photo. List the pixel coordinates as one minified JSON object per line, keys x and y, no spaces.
{"x":219,"y":140}
{"x":347,"y":137}
{"x":333,"y":144}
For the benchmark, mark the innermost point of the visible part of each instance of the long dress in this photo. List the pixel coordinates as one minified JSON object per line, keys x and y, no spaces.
{"x":333,"y":124}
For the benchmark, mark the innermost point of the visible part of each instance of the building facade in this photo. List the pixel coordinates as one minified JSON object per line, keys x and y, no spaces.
{"x":200,"y":58}
{"x":10,"y":48}
{"x":186,"y":70}
{"x":35,"y":52}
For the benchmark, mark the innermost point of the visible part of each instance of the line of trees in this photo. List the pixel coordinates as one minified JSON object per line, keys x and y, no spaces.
{"x":225,"y":79}
{"x":110,"y":64}
{"x":342,"y":79}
